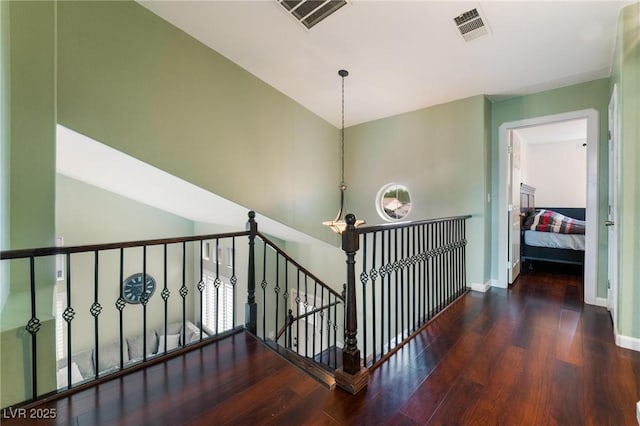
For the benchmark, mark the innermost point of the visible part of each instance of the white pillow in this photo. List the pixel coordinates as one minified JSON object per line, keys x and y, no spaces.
{"x":75,"y":375}
{"x":195,"y":337}
{"x":193,"y":333}
{"x":172,"y":342}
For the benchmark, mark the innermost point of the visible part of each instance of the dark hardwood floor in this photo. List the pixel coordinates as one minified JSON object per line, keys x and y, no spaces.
{"x":530,"y":355}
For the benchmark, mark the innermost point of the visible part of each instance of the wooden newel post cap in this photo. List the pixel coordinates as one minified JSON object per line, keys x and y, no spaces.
{"x":252,"y":225}
{"x":350,"y":240}
{"x":350,"y":219}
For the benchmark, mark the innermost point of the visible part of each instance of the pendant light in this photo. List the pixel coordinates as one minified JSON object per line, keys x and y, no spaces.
{"x":338,"y":225}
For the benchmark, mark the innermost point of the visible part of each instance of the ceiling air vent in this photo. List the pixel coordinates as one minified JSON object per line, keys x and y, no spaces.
{"x":471,"y":24}
{"x":311,"y":12}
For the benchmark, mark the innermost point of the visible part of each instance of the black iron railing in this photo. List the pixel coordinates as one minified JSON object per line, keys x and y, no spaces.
{"x":295,"y":309}
{"x":408,"y":273}
{"x":96,"y":301}
{"x":105,"y":328}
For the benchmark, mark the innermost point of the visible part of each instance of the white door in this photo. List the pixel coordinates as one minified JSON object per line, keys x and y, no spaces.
{"x":514,"y":207}
{"x":305,"y":331}
{"x":612,"y":275}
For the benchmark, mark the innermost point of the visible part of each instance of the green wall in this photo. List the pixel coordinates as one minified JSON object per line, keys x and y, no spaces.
{"x":5,"y":126}
{"x":626,"y":75}
{"x":441,"y":154}
{"x":128,"y":79}
{"x":593,"y":94}
{"x":28,"y":77}
{"x":488,"y":217}
{"x":33,"y":119}
{"x":86,"y":214}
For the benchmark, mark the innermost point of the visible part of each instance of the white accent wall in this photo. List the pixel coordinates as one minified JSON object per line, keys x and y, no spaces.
{"x":558,"y":171}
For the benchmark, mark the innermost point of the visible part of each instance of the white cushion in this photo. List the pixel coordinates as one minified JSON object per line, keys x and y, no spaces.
{"x":173,"y":340}
{"x":85,"y":363}
{"x":172,"y":328}
{"x":75,"y":375}
{"x":109,"y":356}
{"x":135,"y":343}
{"x":192,"y":333}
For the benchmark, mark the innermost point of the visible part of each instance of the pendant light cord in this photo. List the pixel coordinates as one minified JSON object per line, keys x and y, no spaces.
{"x":342,"y":183}
{"x":338,"y":224}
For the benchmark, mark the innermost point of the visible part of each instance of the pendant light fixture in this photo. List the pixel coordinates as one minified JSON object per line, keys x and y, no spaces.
{"x":338,"y":225}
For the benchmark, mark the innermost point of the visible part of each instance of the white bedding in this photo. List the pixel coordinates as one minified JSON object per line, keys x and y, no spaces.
{"x":554,"y":240}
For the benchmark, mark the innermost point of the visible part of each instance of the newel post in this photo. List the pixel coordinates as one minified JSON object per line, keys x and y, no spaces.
{"x":251,"y":309}
{"x":350,"y":245}
{"x":352,"y":377}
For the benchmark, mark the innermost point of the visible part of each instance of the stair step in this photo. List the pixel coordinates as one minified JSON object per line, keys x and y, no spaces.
{"x":318,"y":371}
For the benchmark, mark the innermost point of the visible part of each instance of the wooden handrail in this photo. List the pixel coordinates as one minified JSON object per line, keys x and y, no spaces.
{"x":50,"y":251}
{"x":397,"y":225}
{"x":297,"y":265}
{"x":299,"y":317}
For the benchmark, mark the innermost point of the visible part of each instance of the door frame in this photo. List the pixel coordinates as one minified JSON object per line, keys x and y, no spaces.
{"x":612,"y":233}
{"x":513,"y":209}
{"x":591,"y":235}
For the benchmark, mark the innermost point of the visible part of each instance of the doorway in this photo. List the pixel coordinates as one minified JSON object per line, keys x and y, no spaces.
{"x":505,"y":174}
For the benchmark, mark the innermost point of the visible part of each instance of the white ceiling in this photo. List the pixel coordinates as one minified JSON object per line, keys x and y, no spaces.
{"x":564,"y":131}
{"x":405,"y":55}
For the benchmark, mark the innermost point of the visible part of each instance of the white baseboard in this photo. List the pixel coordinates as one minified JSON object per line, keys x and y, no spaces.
{"x":628,"y":342}
{"x":483,"y":288}
{"x":496,"y":283}
{"x":638,"y":412}
{"x":601,"y":301}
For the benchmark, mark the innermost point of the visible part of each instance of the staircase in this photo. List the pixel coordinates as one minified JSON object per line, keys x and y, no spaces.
{"x":408,"y":273}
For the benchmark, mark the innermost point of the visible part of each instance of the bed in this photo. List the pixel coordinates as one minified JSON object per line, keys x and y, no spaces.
{"x":566,"y":246}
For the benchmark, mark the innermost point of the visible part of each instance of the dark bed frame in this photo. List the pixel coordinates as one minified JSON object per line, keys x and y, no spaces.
{"x":546,"y":254}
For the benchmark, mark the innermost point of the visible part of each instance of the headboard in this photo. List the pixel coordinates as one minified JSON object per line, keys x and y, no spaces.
{"x":527,"y":200}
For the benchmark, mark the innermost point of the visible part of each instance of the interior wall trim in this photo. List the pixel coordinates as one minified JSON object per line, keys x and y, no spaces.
{"x":483,"y":288}
{"x":628,"y":342}
{"x":591,"y":252}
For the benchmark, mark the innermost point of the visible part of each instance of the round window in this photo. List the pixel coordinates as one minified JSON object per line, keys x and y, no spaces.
{"x":393,"y":202}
